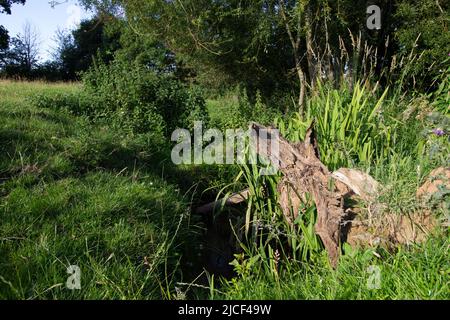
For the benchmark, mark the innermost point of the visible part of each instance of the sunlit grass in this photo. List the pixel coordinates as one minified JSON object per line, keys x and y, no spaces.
{"x":73,"y":193}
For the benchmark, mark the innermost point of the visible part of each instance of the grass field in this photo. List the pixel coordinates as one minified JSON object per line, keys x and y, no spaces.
{"x":76,"y":194}
{"x":73,"y":192}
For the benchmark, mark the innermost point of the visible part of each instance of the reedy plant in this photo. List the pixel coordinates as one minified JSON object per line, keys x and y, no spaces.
{"x":350,"y":125}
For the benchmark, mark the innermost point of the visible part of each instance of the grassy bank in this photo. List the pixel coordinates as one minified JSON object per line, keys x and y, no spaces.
{"x":72,"y":193}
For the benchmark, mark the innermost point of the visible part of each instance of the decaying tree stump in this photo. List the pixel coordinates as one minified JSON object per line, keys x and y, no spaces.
{"x":303,"y":172}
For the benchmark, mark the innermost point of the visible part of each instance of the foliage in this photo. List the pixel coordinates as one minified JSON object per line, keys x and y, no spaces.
{"x":141,"y":100}
{"x":219,"y":40}
{"x":4,"y":39}
{"x":240,"y":110}
{"x":93,"y":39}
{"x":435,"y":144}
{"x":260,"y":43}
{"x":5,"y":7}
{"x":352,"y":127}
{"x":21,"y":58}
{"x":428,"y":23}
{"x":441,"y":96}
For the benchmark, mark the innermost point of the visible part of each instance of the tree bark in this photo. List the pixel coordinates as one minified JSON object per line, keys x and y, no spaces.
{"x":312,"y":60}
{"x":303,"y":173}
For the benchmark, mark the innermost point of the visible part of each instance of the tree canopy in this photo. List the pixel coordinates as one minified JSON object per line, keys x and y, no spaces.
{"x":267,"y":45}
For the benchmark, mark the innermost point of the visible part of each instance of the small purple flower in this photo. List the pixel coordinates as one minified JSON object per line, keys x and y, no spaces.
{"x":439,"y":132}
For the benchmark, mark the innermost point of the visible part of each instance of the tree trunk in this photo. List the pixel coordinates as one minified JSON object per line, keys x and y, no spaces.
{"x":304,"y":173}
{"x":295,"y":42}
{"x":301,"y":96}
{"x":310,"y":56}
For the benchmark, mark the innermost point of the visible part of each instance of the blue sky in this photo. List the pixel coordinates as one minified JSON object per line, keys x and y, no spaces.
{"x":45,"y":19}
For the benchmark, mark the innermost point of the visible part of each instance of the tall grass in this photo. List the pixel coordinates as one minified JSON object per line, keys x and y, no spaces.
{"x":351,"y":126}
{"x":75,"y":193}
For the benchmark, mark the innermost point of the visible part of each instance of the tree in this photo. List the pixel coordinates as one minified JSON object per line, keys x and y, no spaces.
{"x":23,"y":54}
{"x":4,"y":38}
{"x":225,"y":42}
{"x":260,"y":43}
{"x":76,"y":50}
{"x":27,"y":47}
{"x":287,"y":45}
{"x":423,"y":29}
{"x":294,"y":20}
{"x":5,"y":7}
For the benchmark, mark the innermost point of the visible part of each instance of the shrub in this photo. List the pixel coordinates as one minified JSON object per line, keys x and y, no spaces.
{"x":142,"y":100}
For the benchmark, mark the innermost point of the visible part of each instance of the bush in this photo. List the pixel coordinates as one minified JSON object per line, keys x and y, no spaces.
{"x":141,"y":100}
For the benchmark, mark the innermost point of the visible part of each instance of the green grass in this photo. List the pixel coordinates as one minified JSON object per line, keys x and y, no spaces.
{"x":78,"y":192}
{"x":361,"y":130}
{"x":418,"y":272}
{"x":72,"y":193}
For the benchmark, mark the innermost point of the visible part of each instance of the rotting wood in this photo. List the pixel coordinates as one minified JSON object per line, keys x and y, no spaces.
{"x":303,"y":172}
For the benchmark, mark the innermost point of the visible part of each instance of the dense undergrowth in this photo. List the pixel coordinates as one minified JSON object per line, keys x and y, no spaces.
{"x":393,"y":139}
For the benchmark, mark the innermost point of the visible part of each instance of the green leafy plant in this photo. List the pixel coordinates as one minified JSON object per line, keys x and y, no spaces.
{"x":141,"y":100}
{"x":442,"y":94}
